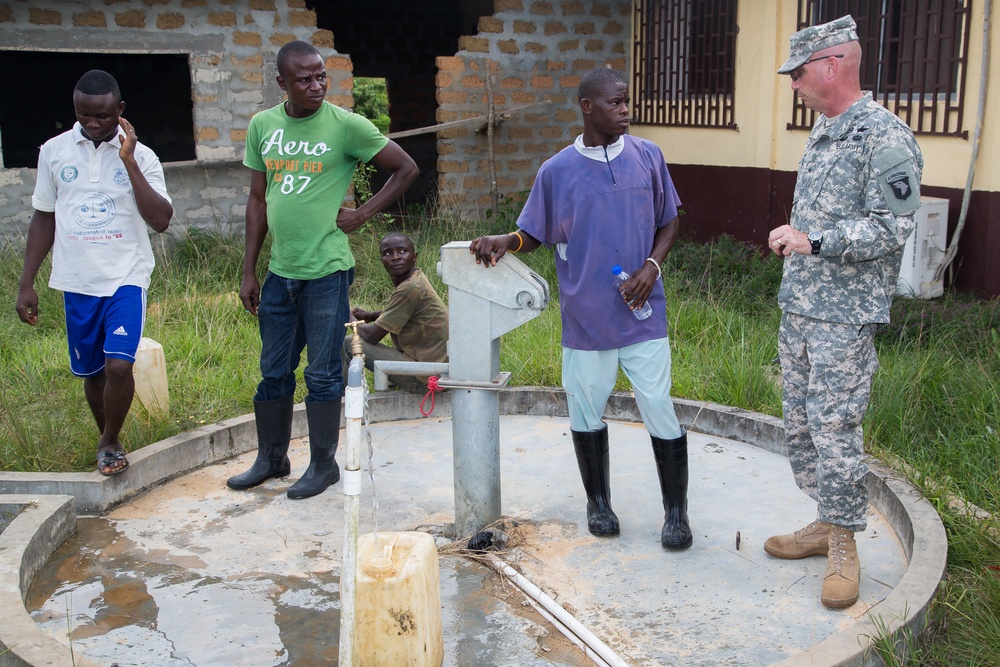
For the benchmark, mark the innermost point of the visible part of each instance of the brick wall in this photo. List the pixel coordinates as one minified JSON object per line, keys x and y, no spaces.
{"x":535,"y":51}
{"x":231,"y":47}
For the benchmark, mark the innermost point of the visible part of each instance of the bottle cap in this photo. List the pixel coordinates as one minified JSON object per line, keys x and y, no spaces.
{"x":380,"y":568}
{"x":616,"y":269}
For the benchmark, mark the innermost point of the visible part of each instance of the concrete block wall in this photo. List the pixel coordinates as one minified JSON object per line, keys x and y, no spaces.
{"x":535,"y":50}
{"x":400,"y":43}
{"x":231,"y":47}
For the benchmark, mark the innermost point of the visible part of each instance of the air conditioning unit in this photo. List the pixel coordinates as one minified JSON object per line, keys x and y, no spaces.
{"x":924,"y":251}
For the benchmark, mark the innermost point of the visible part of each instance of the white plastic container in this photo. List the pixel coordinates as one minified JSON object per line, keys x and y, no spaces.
{"x":398,"y":602}
{"x":150,"y":373}
{"x":924,"y":251}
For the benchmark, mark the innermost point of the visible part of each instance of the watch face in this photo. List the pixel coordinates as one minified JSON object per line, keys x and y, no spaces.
{"x":816,"y":240}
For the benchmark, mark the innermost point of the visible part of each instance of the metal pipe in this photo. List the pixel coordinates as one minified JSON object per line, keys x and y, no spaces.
{"x":354,"y":408}
{"x":475,"y":425}
{"x":384,"y":368}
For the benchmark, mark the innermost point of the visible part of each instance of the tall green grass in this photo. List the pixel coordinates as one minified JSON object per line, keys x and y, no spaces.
{"x":934,"y":415}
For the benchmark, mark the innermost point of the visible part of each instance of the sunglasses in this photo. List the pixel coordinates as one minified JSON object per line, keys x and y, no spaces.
{"x":797,"y":73}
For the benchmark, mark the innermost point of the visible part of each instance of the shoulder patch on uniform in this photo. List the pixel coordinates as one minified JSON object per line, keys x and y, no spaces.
{"x":897,"y":178}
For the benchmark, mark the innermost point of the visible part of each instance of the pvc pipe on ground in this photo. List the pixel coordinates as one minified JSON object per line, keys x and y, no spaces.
{"x":579,"y":643}
{"x":565,"y":618}
{"x":354,"y":409}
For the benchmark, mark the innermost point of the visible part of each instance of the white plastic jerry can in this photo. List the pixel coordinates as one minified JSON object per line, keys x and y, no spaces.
{"x":398,"y":602}
{"x":150,"y":373}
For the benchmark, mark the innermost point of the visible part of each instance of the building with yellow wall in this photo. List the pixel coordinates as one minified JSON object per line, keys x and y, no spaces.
{"x":737,"y":177}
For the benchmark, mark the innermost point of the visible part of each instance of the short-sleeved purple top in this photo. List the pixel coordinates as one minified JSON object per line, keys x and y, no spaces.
{"x":598,"y":214}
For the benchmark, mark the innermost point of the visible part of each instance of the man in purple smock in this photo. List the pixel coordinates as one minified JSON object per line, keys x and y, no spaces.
{"x":606,"y":200}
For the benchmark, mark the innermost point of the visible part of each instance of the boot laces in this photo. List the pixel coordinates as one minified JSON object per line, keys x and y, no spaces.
{"x":838,"y":552}
{"x":814,"y":526}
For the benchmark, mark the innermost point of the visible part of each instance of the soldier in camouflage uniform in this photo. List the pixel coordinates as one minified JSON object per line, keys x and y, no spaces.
{"x":857,"y":190}
{"x":415,"y":318}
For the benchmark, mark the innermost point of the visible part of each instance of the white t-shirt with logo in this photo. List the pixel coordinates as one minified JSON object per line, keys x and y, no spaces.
{"x":101,"y":241}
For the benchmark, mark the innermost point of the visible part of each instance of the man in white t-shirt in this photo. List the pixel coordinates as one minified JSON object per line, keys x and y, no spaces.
{"x":97,"y":190}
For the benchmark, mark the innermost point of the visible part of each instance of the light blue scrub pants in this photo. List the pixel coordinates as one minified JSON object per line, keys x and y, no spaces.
{"x":589,"y":377}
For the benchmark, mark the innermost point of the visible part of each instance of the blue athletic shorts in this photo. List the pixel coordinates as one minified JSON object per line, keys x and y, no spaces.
{"x":103,"y":326}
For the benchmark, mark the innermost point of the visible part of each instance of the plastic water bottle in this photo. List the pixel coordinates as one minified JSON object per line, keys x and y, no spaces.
{"x":620,"y":279}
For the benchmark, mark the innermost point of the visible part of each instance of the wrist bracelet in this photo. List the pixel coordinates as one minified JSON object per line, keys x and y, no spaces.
{"x":520,"y":242}
{"x":659,"y":274}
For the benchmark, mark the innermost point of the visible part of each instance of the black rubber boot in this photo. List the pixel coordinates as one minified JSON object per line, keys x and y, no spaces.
{"x":592,"y":455}
{"x":672,"y":468}
{"x":324,"y":436}
{"x":274,"y":430}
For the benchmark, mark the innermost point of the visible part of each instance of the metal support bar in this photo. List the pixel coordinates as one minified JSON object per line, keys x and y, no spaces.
{"x":385,"y":368}
{"x":475,"y":427}
{"x":496,"y":384}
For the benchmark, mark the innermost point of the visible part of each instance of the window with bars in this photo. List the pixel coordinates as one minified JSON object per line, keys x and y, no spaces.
{"x":685,"y":61}
{"x":914,"y":58}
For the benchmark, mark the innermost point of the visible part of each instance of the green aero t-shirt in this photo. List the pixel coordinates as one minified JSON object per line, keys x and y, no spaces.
{"x":309,"y":164}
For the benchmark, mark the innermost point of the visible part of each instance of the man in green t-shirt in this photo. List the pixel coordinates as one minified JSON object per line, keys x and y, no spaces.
{"x":415,"y":318}
{"x":302,"y":155}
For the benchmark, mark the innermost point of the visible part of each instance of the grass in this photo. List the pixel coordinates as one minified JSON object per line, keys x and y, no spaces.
{"x":935,"y":408}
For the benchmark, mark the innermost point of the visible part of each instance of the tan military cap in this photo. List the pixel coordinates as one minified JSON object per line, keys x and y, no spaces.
{"x":816,"y":38}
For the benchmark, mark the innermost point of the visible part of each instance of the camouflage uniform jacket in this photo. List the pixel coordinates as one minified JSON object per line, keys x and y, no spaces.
{"x":859,"y":184}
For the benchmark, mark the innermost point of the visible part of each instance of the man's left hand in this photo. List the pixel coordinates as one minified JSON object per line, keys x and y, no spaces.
{"x":128,"y":139}
{"x":639,"y":285}
{"x":349,"y":220}
{"x":785,"y":240}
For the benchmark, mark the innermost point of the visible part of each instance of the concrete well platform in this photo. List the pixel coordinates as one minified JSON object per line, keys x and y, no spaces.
{"x":173,"y":568}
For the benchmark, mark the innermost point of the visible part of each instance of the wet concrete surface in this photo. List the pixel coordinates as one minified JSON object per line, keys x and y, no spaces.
{"x":193,"y":573}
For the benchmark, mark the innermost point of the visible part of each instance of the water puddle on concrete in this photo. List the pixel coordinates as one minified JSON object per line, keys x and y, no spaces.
{"x":127,"y":606}
{"x":108,"y":599}
{"x":192,"y":573}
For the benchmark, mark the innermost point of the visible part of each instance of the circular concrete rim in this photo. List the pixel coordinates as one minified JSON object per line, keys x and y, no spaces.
{"x":46,"y":507}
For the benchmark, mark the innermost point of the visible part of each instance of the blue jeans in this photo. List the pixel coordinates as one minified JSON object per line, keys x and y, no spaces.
{"x":295,"y":314}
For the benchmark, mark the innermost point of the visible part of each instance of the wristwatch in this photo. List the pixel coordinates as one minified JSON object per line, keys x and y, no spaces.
{"x":816,"y":239}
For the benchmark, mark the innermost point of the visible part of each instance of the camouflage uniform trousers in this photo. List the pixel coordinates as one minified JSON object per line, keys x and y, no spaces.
{"x":827,"y":370}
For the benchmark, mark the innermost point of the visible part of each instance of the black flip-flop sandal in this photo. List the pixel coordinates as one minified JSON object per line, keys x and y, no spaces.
{"x":108,"y":460}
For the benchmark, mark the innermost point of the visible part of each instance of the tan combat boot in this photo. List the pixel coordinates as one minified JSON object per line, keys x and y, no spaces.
{"x":808,"y":541}
{"x":843,"y":570}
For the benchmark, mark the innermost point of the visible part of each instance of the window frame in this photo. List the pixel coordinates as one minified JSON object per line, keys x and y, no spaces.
{"x":683,"y":76}
{"x":887,"y":28}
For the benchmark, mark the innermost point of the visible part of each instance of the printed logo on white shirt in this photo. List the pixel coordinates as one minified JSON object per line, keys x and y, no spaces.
{"x":121,"y":177}
{"x":68,"y":174}
{"x":95,"y":210}
{"x":120,"y":331}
